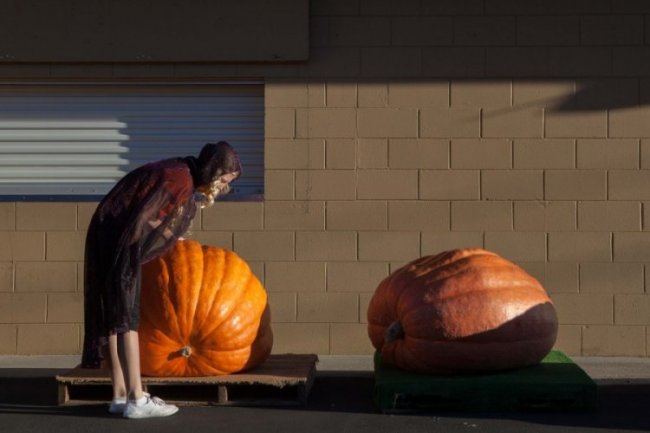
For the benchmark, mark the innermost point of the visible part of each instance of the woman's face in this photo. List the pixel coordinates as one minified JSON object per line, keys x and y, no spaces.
{"x":222,"y":182}
{"x":219,"y":185}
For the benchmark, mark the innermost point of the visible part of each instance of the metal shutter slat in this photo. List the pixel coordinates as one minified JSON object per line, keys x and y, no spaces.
{"x":76,"y":140}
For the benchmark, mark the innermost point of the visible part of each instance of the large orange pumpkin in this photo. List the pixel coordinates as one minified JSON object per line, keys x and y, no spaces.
{"x":203,"y":313}
{"x":466,"y":310}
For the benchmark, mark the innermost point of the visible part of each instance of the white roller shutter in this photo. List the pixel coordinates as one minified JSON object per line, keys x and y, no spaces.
{"x":71,"y":141}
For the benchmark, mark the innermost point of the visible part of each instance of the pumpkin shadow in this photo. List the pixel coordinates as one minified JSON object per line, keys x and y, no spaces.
{"x":520,"y":342}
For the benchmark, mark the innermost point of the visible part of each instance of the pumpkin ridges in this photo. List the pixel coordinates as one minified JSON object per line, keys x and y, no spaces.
{"x":227,"y":297}
{"x":186,"y":285}
{"x":415,"y":278}
{"x":485,"y":280}
{"x":539,"y":333}
{"x":495,"y":290}
{"x":446,"y":258}
{"x":157,"y":298}
{"x":423,"y":301}
{"x":206,"y":361}
{"x":480,"y":309}
{"x":150,"y":364}
{"x":238,"y":355}
{"x":176,"y":336}
{"x":397,"y":352}
{"x":196,"y":262}
{"x":213,"y":263}
{"x":159,"y":355}
{"x":177,"y":366}
{"x":453,"y":262}
{"x":463,"y":340}
{"x":203,"y":367}
{"x":159,"y":337}
{"x":432,"y":356}
{"x":376,"y":333}
{"x":263,"y":342}
{"x":239,"y":301}
{"x":385,"y":300}
{"x":380,"y":320}
{"x":469,"y":296}
{"x":489,"y":272}
{"x":173,"y":294}
{"x":248,"y":312}
{"x":459,"y":269}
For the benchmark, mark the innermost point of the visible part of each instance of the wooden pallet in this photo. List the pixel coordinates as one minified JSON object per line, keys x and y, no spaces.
{"x":282,"y":380}
{"x":556,"y":384}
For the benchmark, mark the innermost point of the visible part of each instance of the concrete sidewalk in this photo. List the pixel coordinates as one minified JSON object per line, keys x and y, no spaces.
{"x":601,"y":369}
{"x":340,"y":401}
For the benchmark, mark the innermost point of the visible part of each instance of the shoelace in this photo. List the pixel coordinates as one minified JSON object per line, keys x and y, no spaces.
{"x":157,"y":401}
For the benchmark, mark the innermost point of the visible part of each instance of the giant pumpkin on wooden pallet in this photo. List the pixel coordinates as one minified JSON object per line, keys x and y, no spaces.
{"x":460,"y":311}
{"x":203,"y":313}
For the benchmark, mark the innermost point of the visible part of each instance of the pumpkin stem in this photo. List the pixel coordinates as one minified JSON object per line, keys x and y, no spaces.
{"x":394,"y":332}
{"x":186,"y":351}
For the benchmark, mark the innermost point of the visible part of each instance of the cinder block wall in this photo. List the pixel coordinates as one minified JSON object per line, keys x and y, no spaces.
{"x":519,"y":126}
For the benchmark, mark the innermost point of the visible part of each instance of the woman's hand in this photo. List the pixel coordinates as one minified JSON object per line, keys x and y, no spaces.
{"x":154,"y":223}
{"x":167,"y":234}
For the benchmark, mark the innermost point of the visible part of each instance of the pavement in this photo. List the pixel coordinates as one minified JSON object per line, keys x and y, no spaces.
{"x":340,"y":401}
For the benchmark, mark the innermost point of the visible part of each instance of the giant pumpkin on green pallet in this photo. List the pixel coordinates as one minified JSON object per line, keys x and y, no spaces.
{"x":203,"y":313}
{"x":466,"y":310}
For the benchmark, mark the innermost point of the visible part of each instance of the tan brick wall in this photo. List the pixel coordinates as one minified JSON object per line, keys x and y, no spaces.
{"x":520,"y":127}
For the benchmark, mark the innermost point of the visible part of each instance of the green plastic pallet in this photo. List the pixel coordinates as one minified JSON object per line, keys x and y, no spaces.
{"x":556,"y":384}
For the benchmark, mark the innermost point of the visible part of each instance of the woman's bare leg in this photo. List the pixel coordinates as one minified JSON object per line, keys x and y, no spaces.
{"x":117,"y":375}
{"x":128,"y":349}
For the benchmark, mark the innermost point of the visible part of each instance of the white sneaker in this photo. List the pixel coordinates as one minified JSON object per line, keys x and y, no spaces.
{"x":118,"y":404}
{"x":152,"y":407}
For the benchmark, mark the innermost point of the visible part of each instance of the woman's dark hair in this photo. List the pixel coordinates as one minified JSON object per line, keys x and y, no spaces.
{"x":214,"y":160}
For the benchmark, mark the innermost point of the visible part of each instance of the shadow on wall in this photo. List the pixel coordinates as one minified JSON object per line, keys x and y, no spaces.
{"x":577,"y":94}
{"x":605,"y":94}
{"x":602,"y":44}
